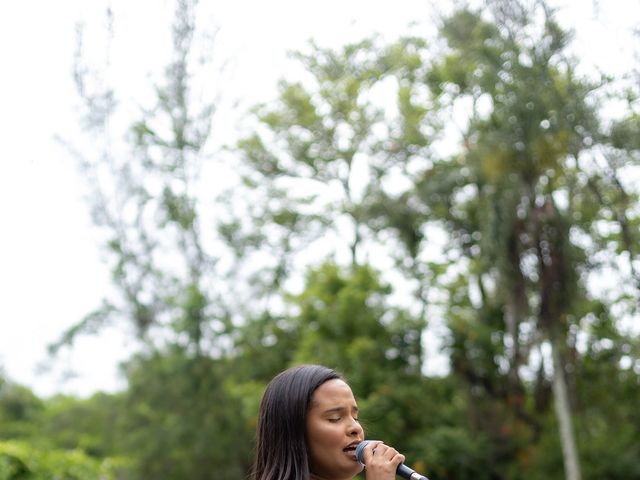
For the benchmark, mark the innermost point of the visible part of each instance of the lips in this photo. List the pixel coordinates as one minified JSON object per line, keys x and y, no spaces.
{"x":351,"y":449}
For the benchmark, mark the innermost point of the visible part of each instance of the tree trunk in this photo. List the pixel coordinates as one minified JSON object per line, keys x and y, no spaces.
{"x":563,"y":413}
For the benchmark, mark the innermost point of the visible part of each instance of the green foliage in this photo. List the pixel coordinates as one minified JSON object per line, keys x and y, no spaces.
{"x":532,"y":203}
{"x":22,"y":461}
{"x":323,"y":135}
{"x":345,"y":321}
{"x":509,"y":199}
{"x":20,"y":409}
{"x":143,"y":198}
{"x":177,"y":405}
{"x":91,"y":425}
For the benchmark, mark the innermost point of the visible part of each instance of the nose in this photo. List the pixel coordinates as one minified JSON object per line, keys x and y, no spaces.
{"x":355,"y":429}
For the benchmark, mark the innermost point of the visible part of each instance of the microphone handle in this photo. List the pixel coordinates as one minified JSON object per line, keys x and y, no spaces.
{"x":402,"y":470}
{"x":409,"y":474}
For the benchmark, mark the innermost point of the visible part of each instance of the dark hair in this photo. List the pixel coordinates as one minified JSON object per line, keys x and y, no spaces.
{"x":281,"y":446}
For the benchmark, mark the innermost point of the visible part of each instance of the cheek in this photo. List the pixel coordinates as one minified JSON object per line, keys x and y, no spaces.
{"x":323,"y":435}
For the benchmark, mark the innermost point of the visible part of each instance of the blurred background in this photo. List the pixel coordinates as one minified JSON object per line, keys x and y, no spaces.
{"x":438,"y":199}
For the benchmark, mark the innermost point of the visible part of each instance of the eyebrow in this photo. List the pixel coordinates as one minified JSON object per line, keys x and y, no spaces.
{"x":339,"y":409}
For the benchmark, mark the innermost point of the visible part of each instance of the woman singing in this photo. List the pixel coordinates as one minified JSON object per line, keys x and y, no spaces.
{"x":308,"y":429}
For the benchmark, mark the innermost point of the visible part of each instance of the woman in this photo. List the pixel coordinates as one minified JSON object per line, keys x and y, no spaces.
{"x":308,"y":429}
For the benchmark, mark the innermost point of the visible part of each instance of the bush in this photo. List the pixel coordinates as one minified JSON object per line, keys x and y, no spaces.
{"x":21,"y":461}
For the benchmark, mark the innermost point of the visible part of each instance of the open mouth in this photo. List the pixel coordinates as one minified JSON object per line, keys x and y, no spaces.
{"x":351,"y":450}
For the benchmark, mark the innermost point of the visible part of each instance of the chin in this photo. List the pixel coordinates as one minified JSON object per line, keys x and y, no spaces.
{"x":342,"y":473}
{"x":354,"y":470}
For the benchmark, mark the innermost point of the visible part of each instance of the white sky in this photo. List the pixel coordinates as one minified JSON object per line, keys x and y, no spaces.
{"x":51,"y":273}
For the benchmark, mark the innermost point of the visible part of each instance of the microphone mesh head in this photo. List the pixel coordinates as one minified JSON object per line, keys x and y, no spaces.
{"x":360,"y":451}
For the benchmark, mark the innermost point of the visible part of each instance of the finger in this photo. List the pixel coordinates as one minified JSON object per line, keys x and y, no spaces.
{"x":368,"y":451}
{"x":380,"y":449}
{"x":397,"y":459}
{"x":384,"y":453}
{"x":391,"y":454}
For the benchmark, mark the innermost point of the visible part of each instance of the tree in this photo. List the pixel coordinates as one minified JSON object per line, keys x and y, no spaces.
{"x":145,"y":200}
{"x":169,"y":282}
{"x":344,"y":321}
{"x":19,"y":410}
{"x":93,"y":425}
{"x":345,"y":174}
{"x":512,"y":203}
{"x":311,"y":153}
{"x":524,"y":236}
{"x":184,"y":418}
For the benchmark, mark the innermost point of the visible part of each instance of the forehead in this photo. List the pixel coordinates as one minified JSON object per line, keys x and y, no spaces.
{"x":332,"y":393}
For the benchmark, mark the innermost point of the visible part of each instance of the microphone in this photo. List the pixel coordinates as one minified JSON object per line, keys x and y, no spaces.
{"x":402,"y":470}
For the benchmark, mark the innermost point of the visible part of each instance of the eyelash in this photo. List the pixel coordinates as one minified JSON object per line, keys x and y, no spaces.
{"x":336,"y":420}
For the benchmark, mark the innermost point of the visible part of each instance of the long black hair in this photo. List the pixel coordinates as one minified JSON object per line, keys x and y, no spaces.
{"x":281,"y":447}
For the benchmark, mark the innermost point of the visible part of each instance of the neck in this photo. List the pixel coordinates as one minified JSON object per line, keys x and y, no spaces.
{"x":313,"y":476}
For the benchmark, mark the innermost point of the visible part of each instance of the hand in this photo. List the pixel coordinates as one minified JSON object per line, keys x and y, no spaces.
{"x":381,"y":461}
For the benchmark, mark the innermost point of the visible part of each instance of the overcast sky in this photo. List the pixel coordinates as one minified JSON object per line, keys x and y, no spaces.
{"x":51,"y":273}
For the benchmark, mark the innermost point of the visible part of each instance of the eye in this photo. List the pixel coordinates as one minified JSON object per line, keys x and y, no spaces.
{"x":334,"y":420}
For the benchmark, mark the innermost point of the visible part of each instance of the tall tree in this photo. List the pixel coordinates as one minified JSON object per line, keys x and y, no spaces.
{"x":525,"y":238}
{"x":512,"y":200}
{"x":146,"y":194}
{"x":145,"y":199}
{"x":310,"y":155}
{"x":532,"y":204}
